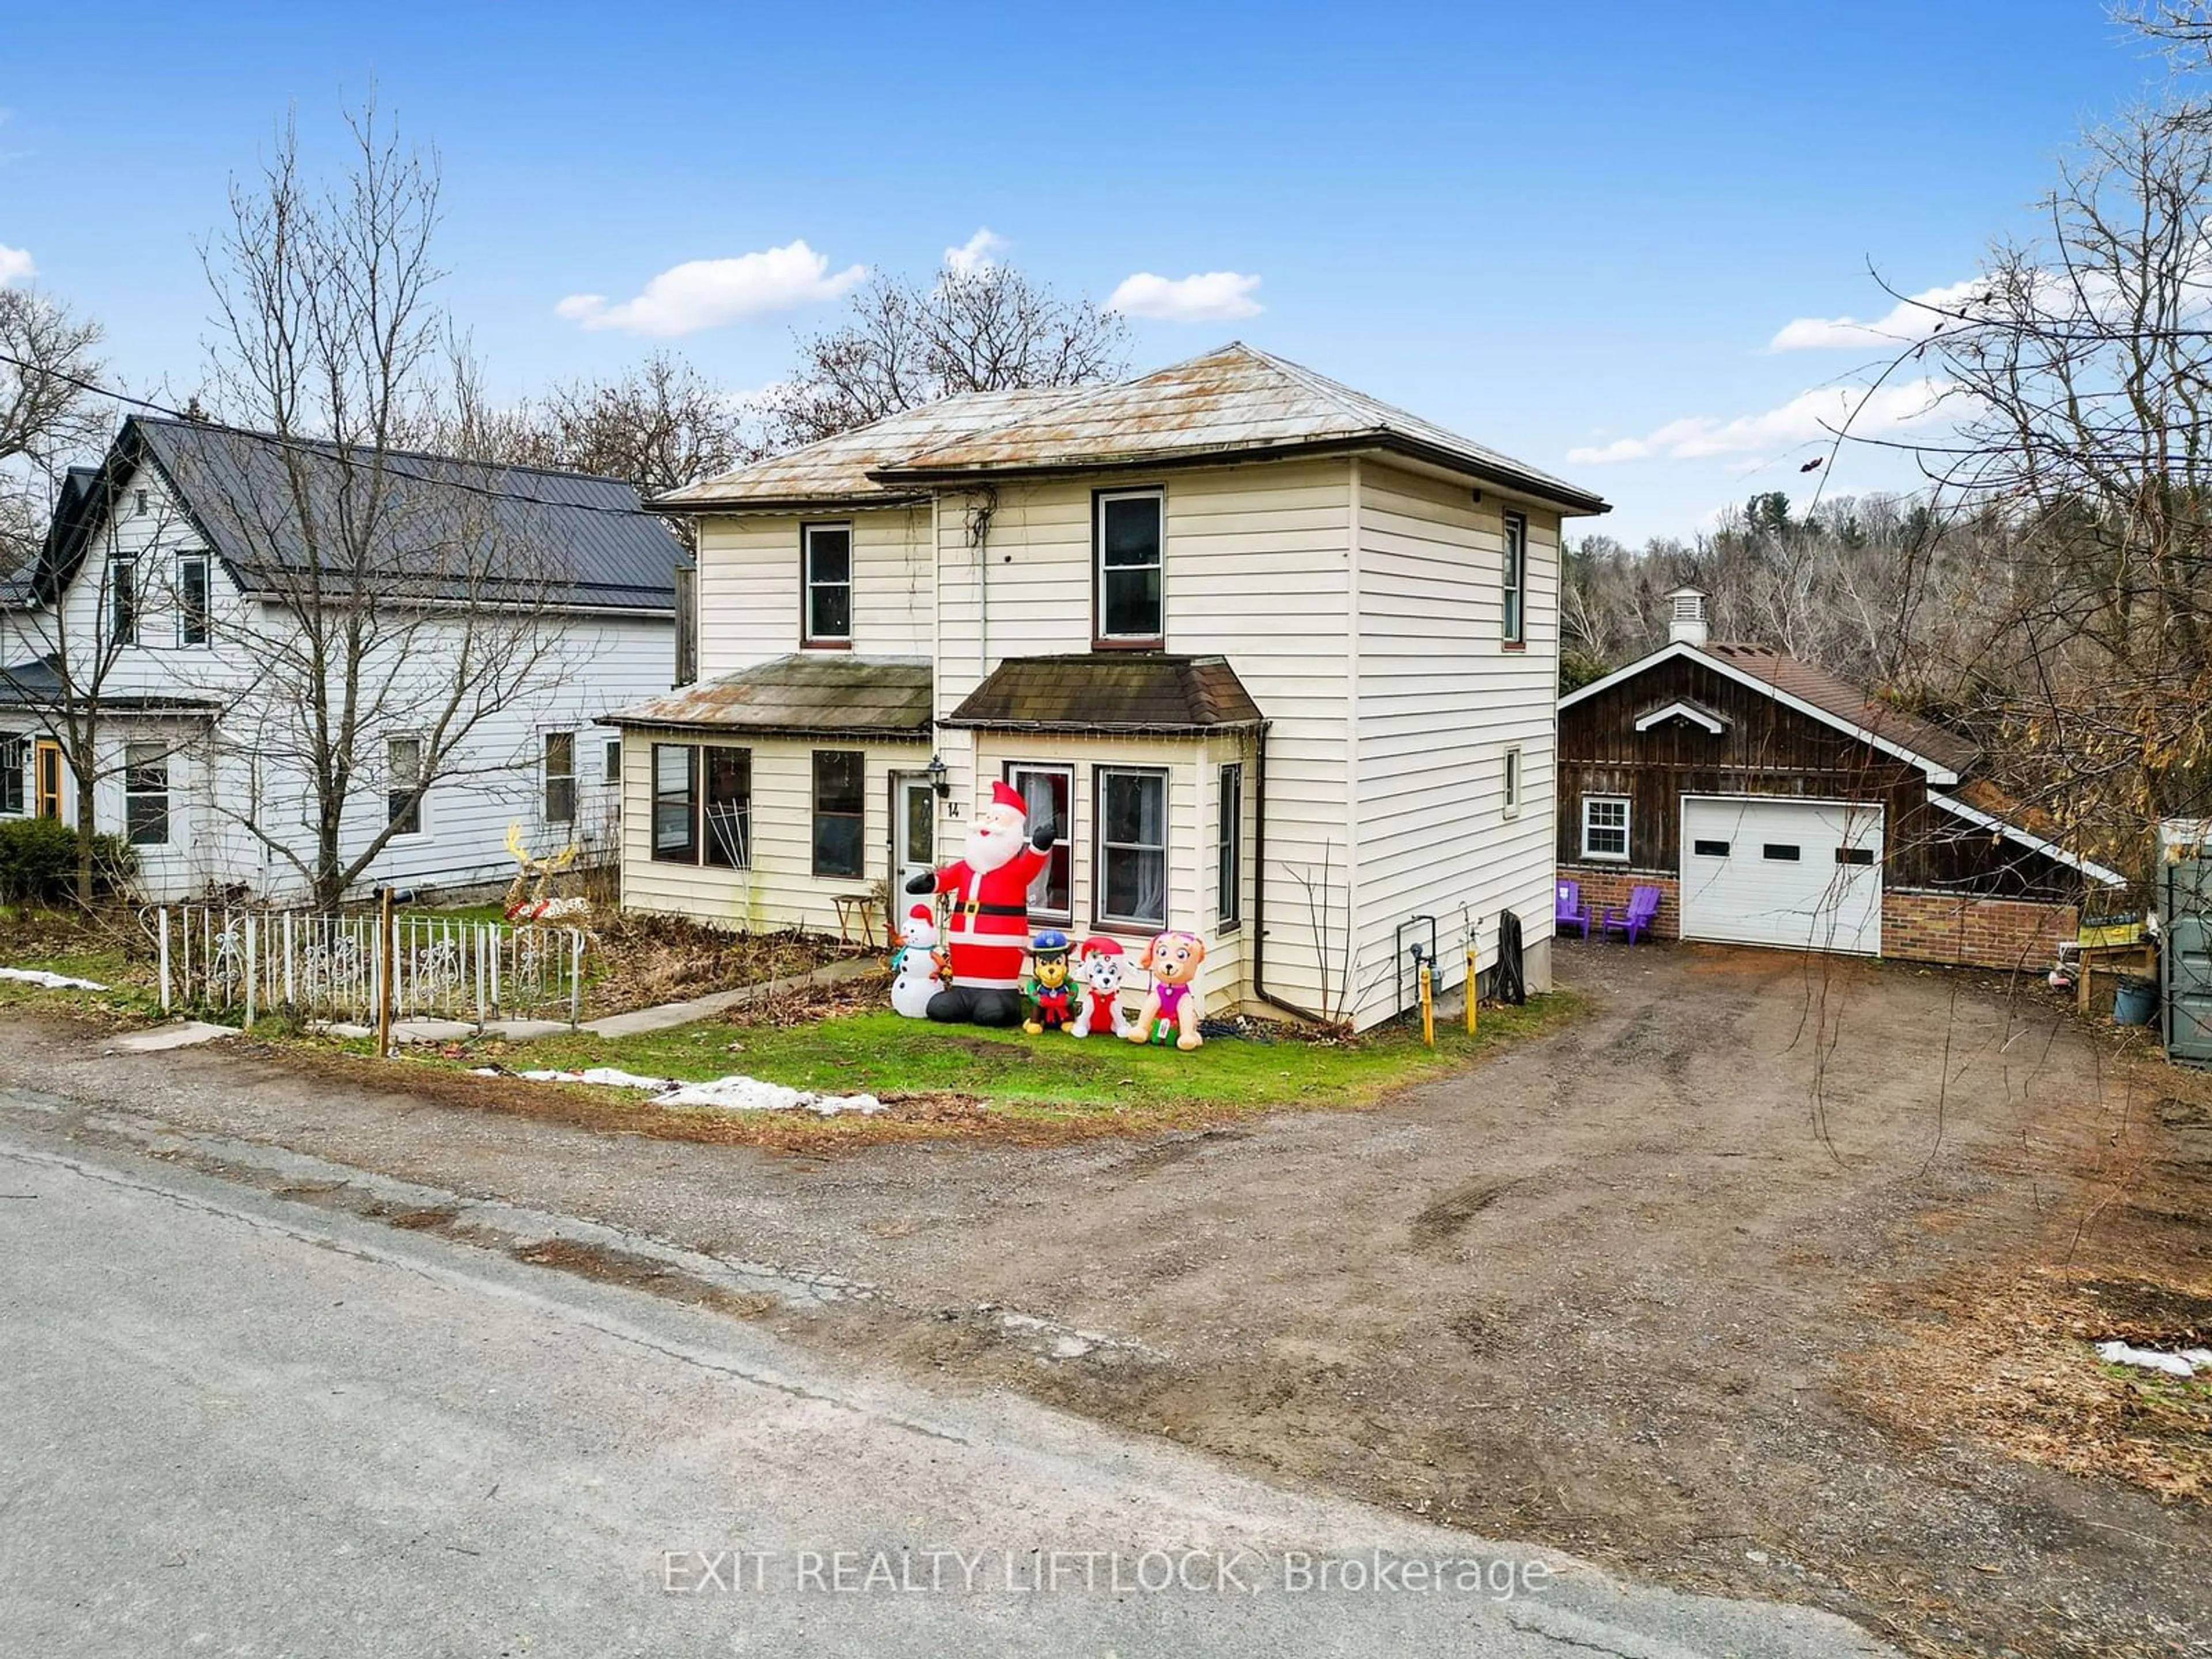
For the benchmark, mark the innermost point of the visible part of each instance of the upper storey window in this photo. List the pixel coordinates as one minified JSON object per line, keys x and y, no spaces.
{"x":1129,"y":535}
{"x":827,"y":554}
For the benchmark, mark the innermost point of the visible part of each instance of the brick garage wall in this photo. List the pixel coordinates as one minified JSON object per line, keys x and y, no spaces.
{"x":1605,"y":887}
{"x":1973,"y":933}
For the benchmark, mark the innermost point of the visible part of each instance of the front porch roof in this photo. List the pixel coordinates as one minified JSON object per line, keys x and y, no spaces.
{"x":1116,"y":693}
{"x":808,"y":693}
{"x":39,"y":685}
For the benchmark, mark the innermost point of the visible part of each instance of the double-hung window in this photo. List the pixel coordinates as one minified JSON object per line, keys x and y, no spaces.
{"x":1229,"y":849}
{"x":1129,"y":534}
{"x":1129,"y":880}
{"x":146,"y":794}
{"x":614,"y":761}
{"x":191,"y":598}
{"x":676,"y":803}
{"x":828,"y":555}
{"x":1512,"y":782}
{"x":123,"y":601}
{"x":1513,"y":582}
{"x":729,"y":837}
{"x":403,"y":785}
{"x":560,"y":777}
{"x":840,"y":811}
{"x":1049,"y":792}
{"x":1604,"y":828}
{"x":15,"y":756}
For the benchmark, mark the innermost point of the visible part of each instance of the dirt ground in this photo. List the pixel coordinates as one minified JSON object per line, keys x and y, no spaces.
{"x":1771,"y":1276}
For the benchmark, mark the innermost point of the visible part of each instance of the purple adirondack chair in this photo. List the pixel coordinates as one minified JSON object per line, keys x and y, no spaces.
{"x":1643,"y":906}
{"x":1567,"y":909}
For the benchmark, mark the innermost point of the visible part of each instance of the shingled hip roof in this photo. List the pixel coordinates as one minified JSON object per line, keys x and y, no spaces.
{"x":1145,"y":694}
{"x":814,"y":694}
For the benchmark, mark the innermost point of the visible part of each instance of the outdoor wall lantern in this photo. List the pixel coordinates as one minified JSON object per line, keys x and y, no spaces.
{"x":936,"y":772}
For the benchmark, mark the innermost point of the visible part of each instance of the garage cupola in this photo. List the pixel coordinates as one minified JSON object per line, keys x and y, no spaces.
{"x":1686,"y":618}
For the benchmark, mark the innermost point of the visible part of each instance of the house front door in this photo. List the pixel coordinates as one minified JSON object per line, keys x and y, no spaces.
{"x":46,"y":772}
{"x":914,"y":834}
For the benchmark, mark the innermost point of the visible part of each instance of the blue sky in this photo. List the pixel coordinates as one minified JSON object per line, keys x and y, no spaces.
{"x":1569,"y":232}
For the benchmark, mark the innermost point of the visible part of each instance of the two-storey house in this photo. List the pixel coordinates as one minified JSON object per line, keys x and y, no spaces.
{"x":1278,"y":660}
{"x":188,"y":615}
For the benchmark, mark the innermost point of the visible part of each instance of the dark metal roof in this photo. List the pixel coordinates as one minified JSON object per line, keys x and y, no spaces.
{"x":38,"y":684}
{"x":1849,"y":703}
{"x":1110,"y":692}
{"x":442,"y":528}
{"x":815,"y":693}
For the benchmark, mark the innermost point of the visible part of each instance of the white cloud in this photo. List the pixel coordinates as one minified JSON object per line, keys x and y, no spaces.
{"x":14,"y":265}
{"x":1215,"y":296}
{"x":1809,"y":418}
{"x":708,"y":293}
{"x":1909,"y":320}
{"x":979,"y":252}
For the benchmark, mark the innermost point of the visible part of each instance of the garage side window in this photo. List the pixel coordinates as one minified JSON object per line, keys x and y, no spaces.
{"x":1605,"y":827}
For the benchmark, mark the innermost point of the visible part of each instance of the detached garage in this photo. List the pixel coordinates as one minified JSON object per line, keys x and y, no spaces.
{"x":1774,"y":804}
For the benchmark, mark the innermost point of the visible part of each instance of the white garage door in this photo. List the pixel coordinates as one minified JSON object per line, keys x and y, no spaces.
{"x":1802,"y":874}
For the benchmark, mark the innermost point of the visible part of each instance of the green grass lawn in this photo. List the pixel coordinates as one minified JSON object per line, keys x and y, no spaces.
{"x":129,"y":992}
{"x":1047,"y":1076}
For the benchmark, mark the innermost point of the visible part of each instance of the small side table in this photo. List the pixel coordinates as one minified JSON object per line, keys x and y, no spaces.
{"x":855,"y":910}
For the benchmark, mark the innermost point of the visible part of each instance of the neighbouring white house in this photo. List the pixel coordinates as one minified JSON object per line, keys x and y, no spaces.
{"x":191,"y":597}
{"x":1279,"y":660}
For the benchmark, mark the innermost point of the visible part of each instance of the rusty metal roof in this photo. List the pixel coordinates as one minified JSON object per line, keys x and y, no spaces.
{"x":1849,"y":703}
{"x":1236,"y":402}
{"x":815,"y":693}
{"x":1114,"y":692}
{"x":837,"y":470}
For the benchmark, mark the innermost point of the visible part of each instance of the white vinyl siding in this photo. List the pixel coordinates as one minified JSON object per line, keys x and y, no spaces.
{"x":1439,"y":701}
{"x":776,"y":888}
{"x":751,"y":583}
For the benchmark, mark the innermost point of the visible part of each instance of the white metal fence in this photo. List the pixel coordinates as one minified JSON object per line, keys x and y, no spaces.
{"x":244,"y":963}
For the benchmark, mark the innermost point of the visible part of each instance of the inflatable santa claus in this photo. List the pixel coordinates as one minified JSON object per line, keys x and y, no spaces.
{"x":987,"y":930}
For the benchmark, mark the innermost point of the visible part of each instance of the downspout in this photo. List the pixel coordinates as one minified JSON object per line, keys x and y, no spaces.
{"x":1260,"y":888}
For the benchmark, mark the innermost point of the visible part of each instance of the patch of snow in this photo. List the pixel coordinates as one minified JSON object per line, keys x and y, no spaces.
{"x":729,"y":1094}
{"x":2185,"y":1364}
{"x":52,"y":982}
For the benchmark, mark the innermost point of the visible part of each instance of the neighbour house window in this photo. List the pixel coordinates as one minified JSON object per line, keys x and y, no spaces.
{"x":139,"y":503}
{"x":192,"y":599}
{"x":560,"y":777}
{"x":46,"y":768}
{"x":123,"y":602}
{"x":1229,"y":851}
{"x":146,"y":794}
{"x":674,"y":803}
{"x":1513,"y":782}
{"x":729,"y":838}
{"x":15,"y":754}
{"x":1514,"y":582}
{"x":1129,"y":884}
{"x":1605,"y":827}
{"x":1049,"y":793}
{"x":403,"y":785}
{"x":1129,"y":532}
{"x":828,"y":559}
{"x":614,"y":760}
{"x":840,"y":807}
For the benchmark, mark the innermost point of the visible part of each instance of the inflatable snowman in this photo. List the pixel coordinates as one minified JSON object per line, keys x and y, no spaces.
{"x":916,"y":974}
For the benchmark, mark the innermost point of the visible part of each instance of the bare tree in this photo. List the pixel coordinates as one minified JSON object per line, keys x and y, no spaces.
{"x":398,"y":602}
{"x":983,"y":327}
{"x":50,"y":418}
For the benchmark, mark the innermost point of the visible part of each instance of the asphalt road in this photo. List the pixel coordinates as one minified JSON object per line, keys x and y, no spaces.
{"x":230,"y":1424}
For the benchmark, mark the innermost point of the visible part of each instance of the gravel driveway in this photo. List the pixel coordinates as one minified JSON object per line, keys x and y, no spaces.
{"x":1605,"y":1291}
